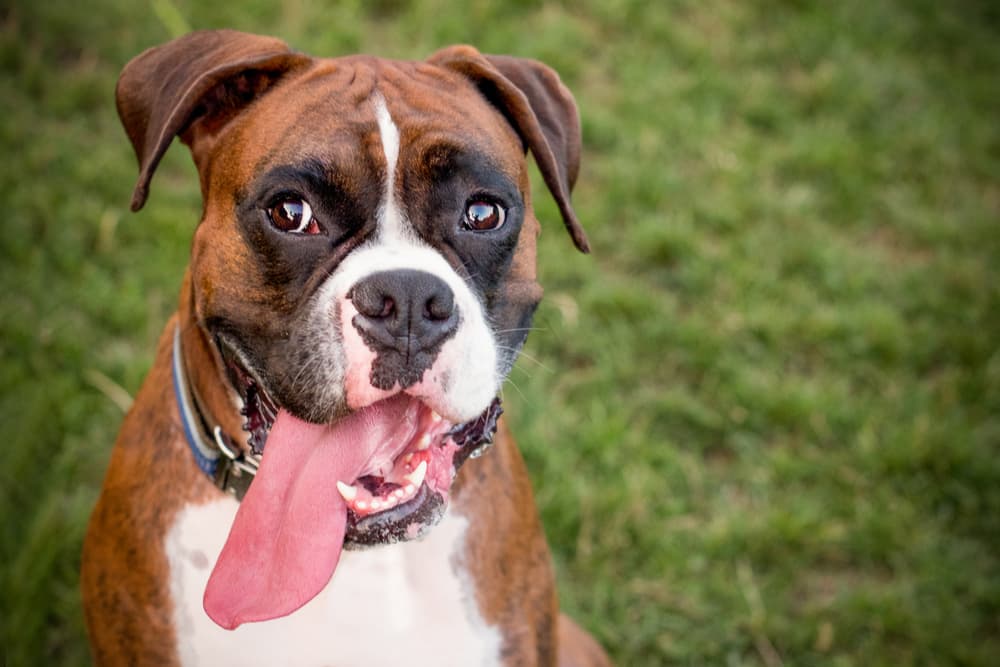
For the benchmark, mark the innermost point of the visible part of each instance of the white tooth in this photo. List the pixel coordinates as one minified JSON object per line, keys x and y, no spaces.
{"x":416,"y":478}
{"x":425,"y":442}
{"x":390,"y":501}
{"x":347,"y":491}
{"x":435,"y":417}
{"x":399,"y":493}
{"x":410,"y":489}
{"x":361,"y":505}
{"x":376,"y":504}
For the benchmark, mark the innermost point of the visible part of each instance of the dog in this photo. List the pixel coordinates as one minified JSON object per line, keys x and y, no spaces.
{"x":285,"y":489}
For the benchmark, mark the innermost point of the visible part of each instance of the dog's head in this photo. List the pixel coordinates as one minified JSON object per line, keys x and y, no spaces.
{"x":364,"y":267}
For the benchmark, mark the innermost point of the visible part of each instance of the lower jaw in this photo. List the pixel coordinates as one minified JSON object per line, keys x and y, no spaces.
{"x":399,"y":524}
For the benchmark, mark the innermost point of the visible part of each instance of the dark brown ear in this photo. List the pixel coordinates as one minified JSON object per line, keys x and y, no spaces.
{"x":203,"y":77}
{"x":542,"y":111}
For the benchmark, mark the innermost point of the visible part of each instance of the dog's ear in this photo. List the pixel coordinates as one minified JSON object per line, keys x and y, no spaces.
{"x":542,"y":111}
{"x":193,"y":86}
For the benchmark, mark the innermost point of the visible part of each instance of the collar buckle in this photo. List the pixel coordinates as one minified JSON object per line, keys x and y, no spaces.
{"x":235,"y":470}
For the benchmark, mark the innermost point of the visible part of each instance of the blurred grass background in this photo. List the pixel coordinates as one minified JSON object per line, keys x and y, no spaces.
{"x":763,"y":417}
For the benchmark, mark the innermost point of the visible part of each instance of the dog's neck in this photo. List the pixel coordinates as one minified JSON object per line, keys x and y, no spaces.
{"x":205,"y":371}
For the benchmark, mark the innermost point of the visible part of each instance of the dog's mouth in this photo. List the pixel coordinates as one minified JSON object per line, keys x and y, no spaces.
{"x":403,"y":491}
{"x":402,"y":496}
{"x":379,"y":475}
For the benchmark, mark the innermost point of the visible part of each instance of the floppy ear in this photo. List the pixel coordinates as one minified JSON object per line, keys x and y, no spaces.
{"x":542,"y":111}
{"x":193,"y":86}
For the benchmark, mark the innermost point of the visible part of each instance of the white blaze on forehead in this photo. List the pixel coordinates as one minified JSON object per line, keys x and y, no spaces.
{"x":390,"y":216}
{"x":390,"y":136}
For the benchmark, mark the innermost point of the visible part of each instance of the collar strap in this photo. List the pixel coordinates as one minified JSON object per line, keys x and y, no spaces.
{"x":215,"y":453}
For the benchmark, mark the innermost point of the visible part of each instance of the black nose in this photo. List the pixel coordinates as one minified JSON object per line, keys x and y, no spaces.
{"x":404,"y":316}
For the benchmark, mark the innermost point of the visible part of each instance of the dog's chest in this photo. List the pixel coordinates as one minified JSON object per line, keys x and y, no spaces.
{"x":404,"y":604}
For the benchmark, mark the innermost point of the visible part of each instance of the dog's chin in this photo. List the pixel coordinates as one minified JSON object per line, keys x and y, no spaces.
{"x":405,"y":489}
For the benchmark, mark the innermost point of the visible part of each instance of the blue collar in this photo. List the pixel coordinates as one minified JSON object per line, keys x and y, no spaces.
{"x":206,"y":456}
{"x":216,"y":456}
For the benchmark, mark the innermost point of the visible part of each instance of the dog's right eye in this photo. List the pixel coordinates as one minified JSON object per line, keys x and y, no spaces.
{"x":293,"y":215}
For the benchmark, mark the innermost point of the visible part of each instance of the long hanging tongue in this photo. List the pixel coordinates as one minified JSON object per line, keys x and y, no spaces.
{"x":289,"y":530}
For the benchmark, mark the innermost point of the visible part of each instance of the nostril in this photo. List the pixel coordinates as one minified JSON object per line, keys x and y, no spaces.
{"x":372,"y":301}
{"x":439,"y":307}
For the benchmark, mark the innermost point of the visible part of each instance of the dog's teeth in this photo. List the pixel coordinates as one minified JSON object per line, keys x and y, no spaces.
{"x":416,"y":478}
{"x":361,"y":505}
{"x":409,"y":489}
{"x":425,"y":442}
{"x":376,"y":504}
{"x":390,"y":501}
{"x":399,"y":493}
{"x":435,"y":417}
{"x":347,"y":491}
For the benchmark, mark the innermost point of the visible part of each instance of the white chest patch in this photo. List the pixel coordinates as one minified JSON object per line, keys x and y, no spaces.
{"x":402,"y":605}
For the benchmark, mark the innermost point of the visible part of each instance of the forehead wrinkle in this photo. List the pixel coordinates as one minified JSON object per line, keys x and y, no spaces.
{"x":327,"y":115}
{"x":440,"y":108}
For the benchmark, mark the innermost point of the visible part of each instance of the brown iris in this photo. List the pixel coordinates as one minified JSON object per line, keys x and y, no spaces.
{"x":484,"y":216}
{"x":294,"y":215}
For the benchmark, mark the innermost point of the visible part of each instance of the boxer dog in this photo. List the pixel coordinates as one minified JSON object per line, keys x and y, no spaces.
{"x":284,"y":490}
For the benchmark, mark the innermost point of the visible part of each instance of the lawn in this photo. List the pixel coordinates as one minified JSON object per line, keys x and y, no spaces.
{"x":762,"y":418}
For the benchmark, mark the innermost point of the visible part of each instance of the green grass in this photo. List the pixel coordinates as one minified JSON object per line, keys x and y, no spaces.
{"x":762,"y":419}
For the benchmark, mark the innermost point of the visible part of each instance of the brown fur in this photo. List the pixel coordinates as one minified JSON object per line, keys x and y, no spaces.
{"x":124,"y":573}
{"x":507,"y":553}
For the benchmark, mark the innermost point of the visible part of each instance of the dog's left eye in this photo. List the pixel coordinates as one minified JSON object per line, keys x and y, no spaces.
{"x":293,"y":215}
{"x":484,"y":216}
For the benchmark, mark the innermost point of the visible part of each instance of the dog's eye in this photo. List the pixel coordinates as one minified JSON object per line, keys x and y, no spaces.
{"x":484,"y":216}
{"x":294,"y":215}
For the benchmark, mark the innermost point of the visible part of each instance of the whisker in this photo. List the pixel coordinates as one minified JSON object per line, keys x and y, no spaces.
{"x":513,"y":384}
{"x":526,"y":357}
{"x":529,"y":329}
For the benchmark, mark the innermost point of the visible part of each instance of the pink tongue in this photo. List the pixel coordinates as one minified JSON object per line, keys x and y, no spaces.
{"x":289,"y":530}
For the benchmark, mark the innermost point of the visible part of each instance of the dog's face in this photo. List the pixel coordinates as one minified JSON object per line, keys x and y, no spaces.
{"x":359,"y":240}
{"x":364,"y":267}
